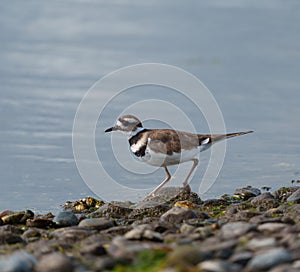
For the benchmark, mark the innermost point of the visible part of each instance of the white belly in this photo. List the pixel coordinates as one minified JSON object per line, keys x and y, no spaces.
{"x":160,"y":159}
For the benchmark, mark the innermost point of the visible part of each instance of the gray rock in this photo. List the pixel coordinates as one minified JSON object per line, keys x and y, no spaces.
{"x":272,"y":227}
{"x":246,"y":192}
{"x":143,"y":232}
{"x":137,"y":232}
{"x":241,"y":257}
{"x":96,"y":223}
{"x":260,"y":243}
{"x":218,"y":266}
{"x":93,"y":249}
{"x":264,"y":202}
{"x":235,"y":229}
{"x":20,"y":261}
{"x":186,"y":228}
{"x":55,"y":262}
{"x":269,"y":259}
{"x":177,"y":215}
{"x":152,"y":235}
{"x":66,"y":219}
{"x":294,"y":197}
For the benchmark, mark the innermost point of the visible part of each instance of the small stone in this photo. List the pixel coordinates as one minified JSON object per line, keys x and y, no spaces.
{"x":272,"y":227}
{"x":33,"y":234}
{"x":18,"y":217}
{"x":186,"y":228}
{"x":184,"y":257}
{"x":218,"y":266}
{"x":152,"y":235}
{"x":177,"y":215}
{"x":269,"y":259}
{"x":246,"y":193}
{"x":66,"y":219}
{"x":93,"y":249}
{"x":55,"y":262}
{"x":96,"y":223}
{"x":264,"y":202}
{"x":283,"y":193}
{"x":294,"y":197}
{"x":113,"y":209}
{"x":40,"y":223}
{"x":241,"y":257}
{"x":236,"y":229}
{"x":19,"y":261}
{"x":136,"y":233}
{"x":71,"y":234}
{"x":259,"y":243}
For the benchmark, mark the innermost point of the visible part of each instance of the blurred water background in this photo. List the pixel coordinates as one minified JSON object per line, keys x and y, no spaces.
{"x":51,"y":52}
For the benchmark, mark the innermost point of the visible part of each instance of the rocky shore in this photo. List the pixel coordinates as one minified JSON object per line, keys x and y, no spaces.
{"x":250,"y":230}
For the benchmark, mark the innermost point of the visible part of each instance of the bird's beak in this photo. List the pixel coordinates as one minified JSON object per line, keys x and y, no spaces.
{"x":110,"y":129}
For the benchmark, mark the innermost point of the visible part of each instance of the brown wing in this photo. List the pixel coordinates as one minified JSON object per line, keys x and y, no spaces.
{"x":168,"y":141}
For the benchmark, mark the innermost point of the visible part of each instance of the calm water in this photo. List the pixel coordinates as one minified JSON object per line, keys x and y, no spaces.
{"x":246,"y":52}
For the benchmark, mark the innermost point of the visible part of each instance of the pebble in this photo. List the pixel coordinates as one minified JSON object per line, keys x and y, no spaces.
{"x":19,"y":261}
{"x":178,"y":215}
{"x":294,"y":197}
{"x":218,"y":266}
{"x":66,"y":219}
{"x":235,"y":229}
{"x":272,"y":227}
{"x":246,"y":192}
{"x":241,"y":257}
{"x":264,"y":202}
{"x":96,"y":223}
{"x":55,"y":262}
{"x":269,"y":259}
{"x":259,"y":243}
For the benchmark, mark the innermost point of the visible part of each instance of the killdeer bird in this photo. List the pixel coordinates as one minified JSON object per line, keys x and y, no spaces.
{"x":164,"y":147}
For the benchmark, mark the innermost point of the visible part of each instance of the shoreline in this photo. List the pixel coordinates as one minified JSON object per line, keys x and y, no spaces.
{"x":249,"y":230}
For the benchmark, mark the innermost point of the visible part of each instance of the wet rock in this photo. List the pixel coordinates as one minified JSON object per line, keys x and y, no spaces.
{"x":294,"y":197}
{"x":264,"y":202}
{"x":55,"y":262}
{"x":18,"y":217}
{"x":269,"y":259}
{"x":177,"y":215}
{"x":235,"y":229}
{"x":96,"y":223}
{"x":20,"y":261}
{"x":218,"y":266}
{"x":283,"y":193}
{"x":87,"y":204}
{"x":66,"y":219}
{"x":246,"y":193}
{"x":40,"y":223}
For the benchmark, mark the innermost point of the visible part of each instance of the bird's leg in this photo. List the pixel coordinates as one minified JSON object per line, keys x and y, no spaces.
{"x":162,"y":184}
{"x":195,"y":163}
